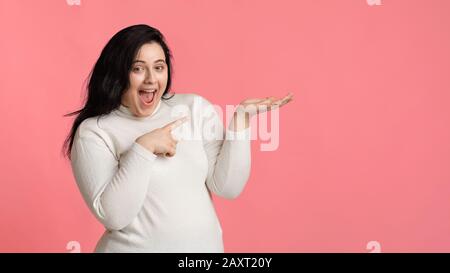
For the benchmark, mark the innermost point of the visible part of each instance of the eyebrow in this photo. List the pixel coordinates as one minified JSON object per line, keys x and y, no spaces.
{"x":157,"y":61}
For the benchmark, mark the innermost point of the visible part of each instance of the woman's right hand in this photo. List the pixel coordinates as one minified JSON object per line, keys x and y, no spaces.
{"x":160,"y":141}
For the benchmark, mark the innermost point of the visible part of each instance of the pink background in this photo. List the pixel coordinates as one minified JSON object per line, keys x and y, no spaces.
{"x":364,"y":149}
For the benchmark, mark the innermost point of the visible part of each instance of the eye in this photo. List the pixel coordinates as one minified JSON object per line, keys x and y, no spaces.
{"x":160,"y":68}
{"x":138,"y":68}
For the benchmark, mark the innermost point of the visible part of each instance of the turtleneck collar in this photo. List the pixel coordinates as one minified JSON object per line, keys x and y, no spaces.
{"x":125,"y":111}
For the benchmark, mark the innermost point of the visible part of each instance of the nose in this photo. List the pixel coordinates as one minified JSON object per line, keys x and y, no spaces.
{"x":149,"y":77}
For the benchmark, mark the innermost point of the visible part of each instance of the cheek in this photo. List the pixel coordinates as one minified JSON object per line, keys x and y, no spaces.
{"x":130,"y":94}
{"x":125,"y":97}
{"x":163,"y":79}
{"x":135,"y":80}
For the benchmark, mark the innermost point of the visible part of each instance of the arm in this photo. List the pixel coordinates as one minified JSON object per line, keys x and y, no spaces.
{"x":229,"y":159}
{"x":113,"y":190}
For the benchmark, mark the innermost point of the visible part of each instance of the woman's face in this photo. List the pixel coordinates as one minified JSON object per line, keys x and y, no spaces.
{"x":148,"y":80}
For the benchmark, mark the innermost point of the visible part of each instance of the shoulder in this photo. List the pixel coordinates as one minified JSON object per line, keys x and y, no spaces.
{"x":195,"y":105}
{"x":89,"y":133}
{"x":189,"y":99}
{"x":90,"y":129}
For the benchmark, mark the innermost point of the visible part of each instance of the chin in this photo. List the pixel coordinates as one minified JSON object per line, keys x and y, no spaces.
{"x":147,"y":111}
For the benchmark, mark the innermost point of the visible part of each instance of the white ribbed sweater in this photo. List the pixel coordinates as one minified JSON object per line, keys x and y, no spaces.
{"x":149,"y":203}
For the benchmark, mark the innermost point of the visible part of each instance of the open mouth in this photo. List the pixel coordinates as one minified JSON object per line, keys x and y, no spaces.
{"x":147,"y":95}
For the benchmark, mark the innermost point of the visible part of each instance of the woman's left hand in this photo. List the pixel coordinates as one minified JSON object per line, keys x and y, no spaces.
{"x":251,"y":107}
{"x":256,"y":106}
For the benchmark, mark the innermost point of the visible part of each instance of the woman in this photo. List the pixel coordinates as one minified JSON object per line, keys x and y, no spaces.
{"x":148,"y":188}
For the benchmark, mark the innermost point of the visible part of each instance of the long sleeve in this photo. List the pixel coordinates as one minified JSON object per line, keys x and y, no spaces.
{"x":229,"y":158}
{"x":113,"y":189}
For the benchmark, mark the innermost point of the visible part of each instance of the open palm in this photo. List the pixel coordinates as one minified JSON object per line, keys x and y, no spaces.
{"x":255,"y":106}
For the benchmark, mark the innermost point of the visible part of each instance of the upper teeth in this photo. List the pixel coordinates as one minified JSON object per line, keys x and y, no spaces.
{"x":149,"y":91}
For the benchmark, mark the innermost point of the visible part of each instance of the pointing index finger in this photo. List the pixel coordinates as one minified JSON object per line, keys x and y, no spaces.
{"x":176,"y":123}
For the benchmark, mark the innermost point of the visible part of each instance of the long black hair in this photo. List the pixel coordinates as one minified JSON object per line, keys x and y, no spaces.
{"x":109,"y":78}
